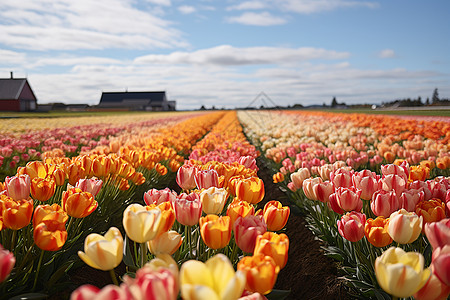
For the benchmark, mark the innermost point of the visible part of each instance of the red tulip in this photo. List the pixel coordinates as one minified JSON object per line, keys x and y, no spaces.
{"x":186,"y":177}
{"x":384,"y":203}
{"x":347,"y":199}
{"x":351,"y":226}
{"x":205,"y":179}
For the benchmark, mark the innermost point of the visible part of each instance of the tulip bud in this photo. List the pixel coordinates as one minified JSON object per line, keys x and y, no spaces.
{"x":213,"y":200}
{"x":215,"y":231}
{"x":42,"y":189}
{"x":188,"y":208}
{"x":351,"y":226}
{"x":186,"y":177}
{"x":273,"y":245}
{"x":404,"y":227}
{"x":250,"y":190}
{"x":92,"y":185}
{"x":246,"y":230}
{"x":261,"y":272}
{"x":18,"y":187}
{"x":275,"y":215}
{"x":376,"y":232}
{"x":141,"y":225}
{"x":78,"y":204}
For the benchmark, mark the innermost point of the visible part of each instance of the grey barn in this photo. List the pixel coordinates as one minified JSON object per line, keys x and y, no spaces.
{"x":149,"y":101}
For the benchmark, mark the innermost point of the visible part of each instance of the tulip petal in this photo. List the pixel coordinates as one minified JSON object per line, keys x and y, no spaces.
{"x":87,"y":260}
{"x":222,"y":271}
{"x":235,"y":287}
{"x":198,"y":292}
{"x":196,"y":272}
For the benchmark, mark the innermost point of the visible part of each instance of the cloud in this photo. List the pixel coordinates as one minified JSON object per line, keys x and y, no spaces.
{"x":386,"y":53}
{"x":8,"y":57}
{"x":316,"y":6}
{"x":226,"y":55}
{"x":247,"y":5}
{"x":84,"y":24}
{"x":257,"y":19}
{"x":160,"y":2}
{"x":186,"y":9}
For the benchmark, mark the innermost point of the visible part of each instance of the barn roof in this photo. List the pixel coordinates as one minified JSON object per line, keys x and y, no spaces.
{"x":10,"y":89}
{"x":114,"y":97}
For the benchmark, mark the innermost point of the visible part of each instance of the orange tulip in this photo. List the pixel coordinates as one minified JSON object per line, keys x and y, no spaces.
{"x":75,"y":172}
{"x":15,"y":214}
{"x":432,"y":210}
{"x":376,"y":232}
{"x":278,"y":177}
{"x":275,"y":215}
{"x":419,"y":173}
{"x":50,"y":235}
{"x":78,"y":204}
{"x":167,"y":216}
{"x":168,"y":242}
{"x":59,"y":176}
{"x":261,"y":272}
{"x":52,"y":212}
{"x":215,"y":231}
{"x":42,"y":189}
{"x":273,"y":245}
{"x":250,"y":190}
{"x":239,"y":208}
{"x":36,"y":169}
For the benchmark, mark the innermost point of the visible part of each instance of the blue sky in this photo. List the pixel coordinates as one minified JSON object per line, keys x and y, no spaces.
{"x":225,"y":52}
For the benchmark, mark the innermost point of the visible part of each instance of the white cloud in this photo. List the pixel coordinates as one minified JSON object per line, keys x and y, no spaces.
{"x":8,"y":57}
{"x":84,"y":24}
{"x":387,"y":53}
{"x":247,"y":5}
{"x":186,"y":9}
{"x":315,"y":6}
{"x":257,"y":19}
{"x":226,"y":55}
{"x":160,"y":2}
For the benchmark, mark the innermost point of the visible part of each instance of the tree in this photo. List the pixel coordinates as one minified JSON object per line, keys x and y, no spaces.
{"x":334,"y":102}
{"x":428,"y":101}
{"x":435,"y":97}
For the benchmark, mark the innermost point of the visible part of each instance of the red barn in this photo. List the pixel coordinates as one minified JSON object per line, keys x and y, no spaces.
{"x":16,"y":95}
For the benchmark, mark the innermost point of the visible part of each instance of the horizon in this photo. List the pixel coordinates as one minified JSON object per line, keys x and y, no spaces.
{"x":225,"y":53}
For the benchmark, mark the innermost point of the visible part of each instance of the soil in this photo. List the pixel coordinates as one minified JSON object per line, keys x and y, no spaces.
{"x":308,"y":274}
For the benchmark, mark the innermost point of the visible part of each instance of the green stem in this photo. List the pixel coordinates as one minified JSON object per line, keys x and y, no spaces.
{"x":233,"y":253}
{"x":143,"y":254}
{"x":38,"y":269}
{"x":190,"y":241}
{"x":70,"y":224}
{"x":113,"y":277}
{"x":13,"y":240}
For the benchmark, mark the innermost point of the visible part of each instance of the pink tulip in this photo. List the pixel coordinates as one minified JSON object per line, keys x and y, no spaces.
{"x":438,"y":189}
{"x":347,"y":199}
{"x":205,"y":179}
{"x":438,"y":233}
{"x":391,"y":169}
{"x":90,"y":292}
{"x":188,"y":208}
{"x":409,"y":199}
{"x":308,"y":185}
{"x":384,"y":203}
{"x":368,"y":184}
{"x":433,"y":289}
{"x":393,"y":182}
{"x":423,"y":186}
{"x":325,"y":171}
{"x":298,"y":177}
{"x":18,"y":187}
{"x":351,"y":226}
{"x":323,"y":190}
{"x":249,"y":162}
{"x":441,"y":267}
{"x":341,"y":178}
{"x":7,"y":261}
{"x":157,"y":197}
{"x":152,"y":284}
{"x":92,"y":186}
{"x":186,"y":177}
{"x":246,"y":230}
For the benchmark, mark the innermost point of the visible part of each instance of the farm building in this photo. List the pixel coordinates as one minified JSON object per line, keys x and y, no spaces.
{"x":16,"y":95}
{"x":150,"y":101}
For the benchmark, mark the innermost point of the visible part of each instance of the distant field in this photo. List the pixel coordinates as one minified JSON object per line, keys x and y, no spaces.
{"x":435,"y":112}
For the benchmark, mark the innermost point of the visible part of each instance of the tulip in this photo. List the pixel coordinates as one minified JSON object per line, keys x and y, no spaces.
{"x":376,"y":232}
{"x":298,"y":177}
{"x":168,"y":242}
{"x":155,"y":196}
{"x":308,"y":187}
{"x":422,"y":186}
{"x":250,"y":190}
{"x":188,"y":208}
{"x":419,"y":173}
{"x":273,"y":245}
{"x":59,"y":176}
{"x":36,"y":169}
{"x":393,"y":182}
{"x":351,"y":226}
{"x":167,"y":216}
{"x":432,"y":210}
{"x":163,"y":261}
{"x":347,"y":199}
{"x":75,"y":172}
{"x":404,"y":227}
{"x":433,"y":289}
{"x":141,"y":225}
{"x":103,"y":252}
{"x":367,"y":184}
{"x":186,"y":177}
{"x":246,"y":230}
{"x":15,"y":214}
{"x":384,"y":203}
{"x":92,"y":185}
{"x":275,"y":215}
{"x":441,"y":264}
{"x":401,"y":273}
{"x":78,"y":204}
{"x":401,"y":170}
{"x":261,"y":273}
{"x":18,"y":187}
{"x":325,"y":171}
{"x":239,"y":208}
{"x":7,"y":261}
{"x":215,"y":231}
{"x":90,"y":292}
{"x":341,"y":178}
{"x":213,"y":200}
{"x":410,"y":198}
{"x":205,"y":179}
{"x":44,"y":213}
{"x":215,"y":279}
{"x":42,"y":189}
{"x":323,"y":190}
{"x":249,"y":162}
{"x":438,"y":233}
{"x":150,"y":284}
{"x":50,"y":235}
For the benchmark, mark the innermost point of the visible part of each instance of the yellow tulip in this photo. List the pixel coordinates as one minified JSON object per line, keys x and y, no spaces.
{"x":213,"y":200}
{"x":168,"y":242}
{"x":401,"y":273}
{"x":103,"y":252}
{"x":141,"y":225}
{"x":215,"y":279}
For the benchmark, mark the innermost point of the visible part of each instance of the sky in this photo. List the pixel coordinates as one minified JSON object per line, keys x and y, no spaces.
{"x":224,"y":53}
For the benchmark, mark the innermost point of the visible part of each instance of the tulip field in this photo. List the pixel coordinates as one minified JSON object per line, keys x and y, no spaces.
{"x":174,"y":205}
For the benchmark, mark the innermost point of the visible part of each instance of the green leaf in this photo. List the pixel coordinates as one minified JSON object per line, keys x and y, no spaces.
{"x":127,"y":255}
{"x":34,"y":296}
{"x":278,"y":294}
{"x":60,"y":272}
